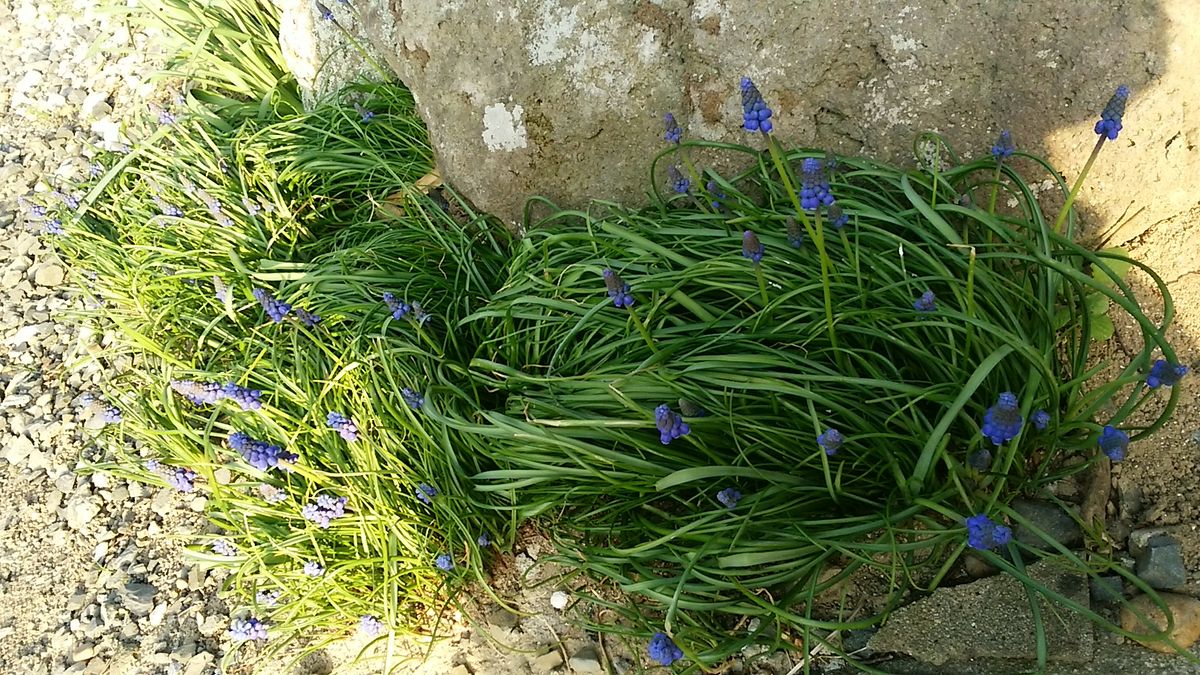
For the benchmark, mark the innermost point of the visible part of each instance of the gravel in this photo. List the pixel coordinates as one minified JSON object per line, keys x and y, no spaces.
{"x":92,"y":578}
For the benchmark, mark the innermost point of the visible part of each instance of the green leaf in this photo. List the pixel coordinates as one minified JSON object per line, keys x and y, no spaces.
{"x":1097,"y":303}
{"x":1118,"y":265}
{"x":1102,"y":328}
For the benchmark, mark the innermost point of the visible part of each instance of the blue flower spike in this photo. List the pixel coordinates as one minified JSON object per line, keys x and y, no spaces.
{"x":1110,"y":119}
{"x":795,"y":234}
{"x":752,"y":247}
{"x":663,"y":649}
{"x":1003,"y":148}
{"x":926,"y":303}
{"x":673,"y":133}
{"x":814,"y":186}
{"x":618,"y":290}
{"x":756,"y":116}
{"x":249,"y":629}
{"x":677,"y":181}
{"x":729,"y":497}
{"x":1040,"y":420}
{"x":1002,"y":422}
{"x":1163,"y":373}
{"x":831,"y":441}
{"x":984,"y":534}
{"x":1114,"y":443}
{"x":837,"y":217}
{"x":670,"y":425}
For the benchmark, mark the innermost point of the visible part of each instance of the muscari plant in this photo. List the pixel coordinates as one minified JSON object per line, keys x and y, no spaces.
{"x":731,"y":402}
{"x":820,"y":367}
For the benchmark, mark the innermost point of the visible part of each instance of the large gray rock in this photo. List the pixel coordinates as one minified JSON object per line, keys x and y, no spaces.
{"x":564,"y":98}
{"x":990,"y":619}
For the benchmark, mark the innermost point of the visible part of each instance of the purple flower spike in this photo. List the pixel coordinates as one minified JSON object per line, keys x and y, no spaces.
{"x":926,"y":303}
{"x":670,"y":425}
{"x":1110,"y":120}
{"x":248,"y":630}
{"x":663,"y":649}
{"x":345,"y":426}
{"x":1002,"y":422}
{"x":1163,"y":373}
{"x":618,"y":290}
{"x":673,"y":132}
{"x":984,"y":534}
{"x":752,"y":247}
{"x":756,"y":116}
{"x":729,"y":497}
{"x":1114,"y":443}
{"x":831,"y":441}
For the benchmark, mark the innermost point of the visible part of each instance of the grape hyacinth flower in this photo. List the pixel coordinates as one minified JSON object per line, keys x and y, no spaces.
{"x":248,"y":399}
{"x":444,"y":562}
{"x":223,"y":547}
{"x":673,"y":133}
{"x":756,"y":116}
{"x":752,"y":247}
{"x":271,"y":494}
{"x":926,"y":303}
{"x":220,"y":290}
{"x":837,"y":217}
{"x":313,"y":569}
{"x":246,"y":630}
{"x":86,"y":399}
{"x":183,"y":480}
{"x":795,"y":235}
{"x":1003,"y":148}
{"x":54,"y":226}
{"x":426,"y":492}
{"x":1002,"y":422}
{"x":250,"y":206}
{"x":345,"y":426}
{"x":618,"y":290}
{"x":1040,"y":420}
{"x":399,"y":307}
{"x":111,"y":415}
{"x":483,"y":541}
{"x":259,"y":454}
{"x":365,"y":114}
{"x":199,"y":393}
{"x":95,"y":170}
{"x":1163,"y":373}
{"x":168,"y":209}
{"x":831,"y":441}
{"x":814,"y":186}
{"x":981,"y":459}
{"x":267,"y":598}
{"x":370,"y":626}
{"x":677,"y":181}
{"x":34,"y":211}
{"x":307,"y":318}
{"x":715,"y":193}
{"x":670,"y":426}
{"x":71,"y":201}
{"x":165,"y":117}
{"x":324,"y":510}
{"x":729,"y":497}
{"x":1110,"y":119}
{"x":984,"y":534}
{"x":690,"y":409}
{"x":1114,"y":443}
{"x":663,"y":649}
{"x":413,"y":398}
{"x":275,"y":309}
{"x":420,"y":315}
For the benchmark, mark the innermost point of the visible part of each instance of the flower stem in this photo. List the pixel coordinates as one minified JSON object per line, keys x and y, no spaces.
{"x":642,"y":329}
{"x":995,"y":190}
{"x":762,"y":283}
{"x":1066,"y":207}
{"x":814,"y":233}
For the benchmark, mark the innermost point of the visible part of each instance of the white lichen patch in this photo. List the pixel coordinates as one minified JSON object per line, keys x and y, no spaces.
{"x":648,"y":47}
{"x":549,"y":42}
{"x":702,"y":9}
{"x":504,"y":129}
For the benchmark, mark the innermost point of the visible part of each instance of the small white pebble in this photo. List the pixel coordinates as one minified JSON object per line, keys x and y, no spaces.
{"x":559,"y":600}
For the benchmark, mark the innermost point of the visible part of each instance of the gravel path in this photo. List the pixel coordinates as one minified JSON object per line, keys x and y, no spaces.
{"x":91,"y":579}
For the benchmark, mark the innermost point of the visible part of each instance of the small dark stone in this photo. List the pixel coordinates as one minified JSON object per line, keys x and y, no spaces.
{"x":1107,"y":590}
{"x":1050,"y":519}
{"x":1160,"y":564}
{"x":503,"y":619}
{"x":853,"y":641}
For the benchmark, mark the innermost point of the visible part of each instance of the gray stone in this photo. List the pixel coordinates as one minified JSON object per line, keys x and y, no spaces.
{"x":586,"y":660}
{"x":158,"y":614}
{"x":1160,"y":563}
{"x":78,"y":601}
{"x":17,"y":449}
{"x":565,"y":99}
{"x":1108,"y":589}
{"x":138,"y":598}
{"x":83,"y":651}
{"x":197,"y":664}
{"x":855,"y":640}
{"x":990,"y":619}
{"x":1050,"y":519}
{"x":546,"y":662}
{"x":80,"y":513}
{"x":50,"y":275}
{"x":503,"y":619}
